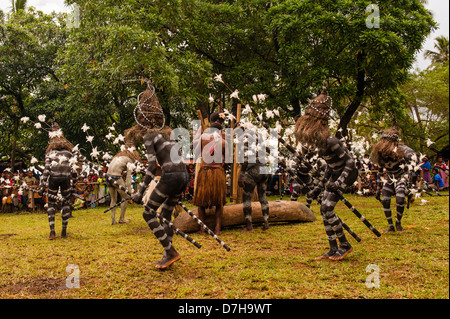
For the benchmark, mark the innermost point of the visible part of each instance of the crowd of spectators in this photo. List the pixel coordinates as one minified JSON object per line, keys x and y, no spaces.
{"x":15,"y":200}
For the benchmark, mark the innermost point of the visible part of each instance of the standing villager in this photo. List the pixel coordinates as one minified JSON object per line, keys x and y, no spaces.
{"x":118,"y":167}
{"x":31,"y":181}
{"x":162,"y":152}
{"x":254,"y":173}
{"x":398,"y":160}
{"x":210,"y":187}
{"x":58,"y":174}
{"x":101,"y":187}
{"x":312,"y":130}
{"x":443,"y":170}
{"x":426,"y":169}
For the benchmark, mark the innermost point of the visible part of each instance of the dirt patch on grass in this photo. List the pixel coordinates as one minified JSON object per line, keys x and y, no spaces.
{"x":35,"y":286}
{"x":7,"y":235}
{"x":140,"y":230}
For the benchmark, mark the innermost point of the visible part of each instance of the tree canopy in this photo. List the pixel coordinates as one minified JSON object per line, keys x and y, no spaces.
{"x":29,"y":42}
{"x":92,"y":72}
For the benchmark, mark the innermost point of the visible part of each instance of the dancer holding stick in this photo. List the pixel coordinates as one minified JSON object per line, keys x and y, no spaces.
{"x":312,"y":130}
{"x":397,"y":158}
{"x":162,"y":151}
{"x":318,"y":189}
{"x":57,"y":174}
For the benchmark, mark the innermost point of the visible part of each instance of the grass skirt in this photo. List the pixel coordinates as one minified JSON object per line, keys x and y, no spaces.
{"x":211,"y":188}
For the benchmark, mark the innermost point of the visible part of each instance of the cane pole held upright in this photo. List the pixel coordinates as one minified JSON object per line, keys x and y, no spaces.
{"x":199,"y":113}
{"x":235,"y":170}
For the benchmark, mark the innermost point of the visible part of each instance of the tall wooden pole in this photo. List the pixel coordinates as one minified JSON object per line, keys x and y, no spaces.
{"x":235,"y":168}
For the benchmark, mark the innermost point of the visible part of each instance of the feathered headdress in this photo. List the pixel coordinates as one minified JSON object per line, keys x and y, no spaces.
{"x":57,"y":139}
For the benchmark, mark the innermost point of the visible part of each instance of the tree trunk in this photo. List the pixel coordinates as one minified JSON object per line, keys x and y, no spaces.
{"x":296,"y":107}
{"x":353,"y":107}
{"x":13,"y":153}
{"x":233,"y":215}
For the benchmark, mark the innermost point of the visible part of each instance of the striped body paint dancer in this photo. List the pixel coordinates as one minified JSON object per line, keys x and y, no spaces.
{"x":57,"y":175}
{"x":209,"y":231}
{"x":341,"y":172}
{"x":309,"y":178}
{"x":319,"y":170}
{"x":254,"y":174}
{"x":118,"y":164}
{"x":398,"y":160}
{"x":302,"y":172}
{"x":163,"y":151}
{"x":320,"y":180}
{"x":333,"y":224}
{"x":312,"y":131}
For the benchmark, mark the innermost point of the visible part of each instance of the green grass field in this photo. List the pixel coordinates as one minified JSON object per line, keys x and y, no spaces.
{"x":118,"y":261}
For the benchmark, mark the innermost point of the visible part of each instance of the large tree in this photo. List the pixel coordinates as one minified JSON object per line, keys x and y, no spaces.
{"x":427,"y":100}
{"x":286,"y":49}
{"x":336,"y":41}
{"x":29,"y":41}
{"x":114,"y":47}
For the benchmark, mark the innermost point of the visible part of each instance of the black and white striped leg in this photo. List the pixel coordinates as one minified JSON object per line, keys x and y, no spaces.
{"x":66,"y":210}
{"x":295,"y":191}
{"x":262,"y":188}
{"x":247,"y":203}
{"x":334,"y":224}
{"x":386,"y":203}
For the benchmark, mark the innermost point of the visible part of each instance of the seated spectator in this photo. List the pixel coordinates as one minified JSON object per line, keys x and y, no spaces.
{"x":6,"y":192}
{"x":442,"y":170}
{"x":372,"y":184}
{"x":438,"y":183}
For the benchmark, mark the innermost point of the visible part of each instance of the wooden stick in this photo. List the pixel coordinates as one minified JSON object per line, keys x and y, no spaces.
{"x":209,"y":231}
{"x":234,"y":172}
{"x":200,"y":116}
